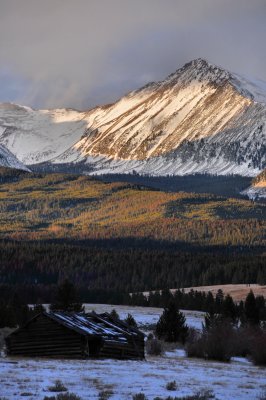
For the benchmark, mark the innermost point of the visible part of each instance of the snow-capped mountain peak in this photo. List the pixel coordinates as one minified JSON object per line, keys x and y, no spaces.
{"x":201,"y":118}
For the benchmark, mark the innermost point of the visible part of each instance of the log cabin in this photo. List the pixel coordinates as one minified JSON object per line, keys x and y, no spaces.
{"x":76,"y":335}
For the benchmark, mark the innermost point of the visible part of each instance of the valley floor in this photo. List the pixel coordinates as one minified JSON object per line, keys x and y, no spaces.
{"x":30,"y":378}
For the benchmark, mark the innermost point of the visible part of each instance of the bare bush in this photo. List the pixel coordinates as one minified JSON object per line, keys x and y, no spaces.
{"x":105,"y":394}
{"x":195,"y":344}
{"x":154,"y":347}
{"x":258,"y":348}
{"x":57,"y":387}
{"x":216,"y":344}
{"x":204,"y":394}
{"x":63,"y":396}
{"x":262,"y":396}
{"x":139,"y":396}
{"x":171,"y":385}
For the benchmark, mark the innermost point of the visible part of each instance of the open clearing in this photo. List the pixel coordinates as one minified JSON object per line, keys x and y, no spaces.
{"x":237,"y":291}
{"x":30,"y":378}
{"x":145,"y":315}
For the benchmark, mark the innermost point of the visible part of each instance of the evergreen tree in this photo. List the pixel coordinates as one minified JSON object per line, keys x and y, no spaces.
{"x":228,"y":310}
{"x":154,"y":299}
{"x":114,"y":314}
{"x":130,"y":320}
{"x":219,"y":298}
{"x":211,"y":320}
{"x":172,"y":325}
{"x":166,"y":297}
{"x":67,"y":299}
{"x":209,"y":304}
{"x":251,"y":310}
{"x":261,"y":306}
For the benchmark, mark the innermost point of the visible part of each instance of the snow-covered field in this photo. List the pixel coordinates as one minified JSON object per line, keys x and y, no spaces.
{"x":237,"y":380}
{"x":29,"y":378}
{"x":145,"y":315}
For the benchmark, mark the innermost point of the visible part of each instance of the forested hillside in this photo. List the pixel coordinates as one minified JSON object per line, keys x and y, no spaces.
{"x":61,"y":206}
{"x":113,"y":238}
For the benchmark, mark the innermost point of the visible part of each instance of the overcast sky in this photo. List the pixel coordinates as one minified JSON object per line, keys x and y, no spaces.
{"x":80,"y":53}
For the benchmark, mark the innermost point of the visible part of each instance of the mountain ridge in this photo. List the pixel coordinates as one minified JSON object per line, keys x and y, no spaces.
{"x":258,"y":188}
{"x":200,"y":119}
{"x":7,"y":159}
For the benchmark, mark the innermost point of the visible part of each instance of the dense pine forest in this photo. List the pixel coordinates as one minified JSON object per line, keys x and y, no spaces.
{"x":114,"y":238}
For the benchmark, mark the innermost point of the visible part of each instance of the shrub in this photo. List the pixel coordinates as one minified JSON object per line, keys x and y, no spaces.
{"x":219,"y":343}
{"x":57,"y":387}
{"x":154,"y":347}
{"x":262,"y":396}
{"x":195,"y":345}
{"x":171,"y":385}
{"x":216,"y":344}
{"x":258,"y":348}
{"x":204,"y":394}
{"x":63,"y":396}
{"x":139,"y":396}
{"x":244,"y":337}
{"x":105,"y":394}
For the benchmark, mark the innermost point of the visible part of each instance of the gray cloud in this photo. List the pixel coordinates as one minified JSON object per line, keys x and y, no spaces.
{"x":85,"y":52}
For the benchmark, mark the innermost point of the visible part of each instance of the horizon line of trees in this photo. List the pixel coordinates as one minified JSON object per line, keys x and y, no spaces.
{"x":14,"y":310}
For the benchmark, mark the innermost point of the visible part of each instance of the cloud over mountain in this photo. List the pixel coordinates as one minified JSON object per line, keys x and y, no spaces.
{"x":79,"y":54}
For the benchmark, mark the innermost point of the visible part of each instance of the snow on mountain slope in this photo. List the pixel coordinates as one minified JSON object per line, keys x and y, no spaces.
{"x":199,"y":119}
{"x":39,"y":135}
{"x":258,"y":188}
{"x":7,"y":159}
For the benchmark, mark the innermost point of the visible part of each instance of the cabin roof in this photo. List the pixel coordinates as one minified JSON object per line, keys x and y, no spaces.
{"x":92,"y":325}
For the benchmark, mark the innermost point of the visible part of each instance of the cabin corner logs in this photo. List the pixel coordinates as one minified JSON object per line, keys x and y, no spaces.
{"x":76,"y":335}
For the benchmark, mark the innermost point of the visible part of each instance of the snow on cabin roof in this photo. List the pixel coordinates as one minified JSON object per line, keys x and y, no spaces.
{"x":96,"y":325}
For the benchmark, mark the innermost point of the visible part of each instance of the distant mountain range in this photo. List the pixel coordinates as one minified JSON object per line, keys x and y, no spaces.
{"x":200,"y":119}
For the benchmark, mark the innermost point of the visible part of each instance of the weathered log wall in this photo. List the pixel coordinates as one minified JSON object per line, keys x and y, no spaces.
{"x":45,"y":337}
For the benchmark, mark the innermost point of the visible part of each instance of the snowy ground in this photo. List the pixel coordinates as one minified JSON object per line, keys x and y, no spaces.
{"x":31,"y":378}
{"x":145,"y":315}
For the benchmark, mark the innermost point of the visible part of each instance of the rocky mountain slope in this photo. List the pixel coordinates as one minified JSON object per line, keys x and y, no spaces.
{"x":258,"y":187}
{"x":39,"y":135}
{"x":200,"y":119}
{"x":7,"y":159}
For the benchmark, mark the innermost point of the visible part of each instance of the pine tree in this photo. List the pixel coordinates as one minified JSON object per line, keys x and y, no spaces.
{"x":228,"y":310}
{"x":130,"y":320}
{"x":251,"y":310}
{"x":67,"y":299}
{"x":114,"y":314}
{"x":219,"y":298}
{"x":209,"y":303}
{"x":172,"y":325}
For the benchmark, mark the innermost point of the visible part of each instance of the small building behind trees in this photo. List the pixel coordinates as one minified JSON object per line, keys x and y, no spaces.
{"x":76,"y":335}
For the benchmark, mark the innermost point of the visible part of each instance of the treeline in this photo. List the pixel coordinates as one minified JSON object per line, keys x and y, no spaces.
{"x":220,"y":304}
{"x":102,"y":273}
{"x":14,"y":310}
